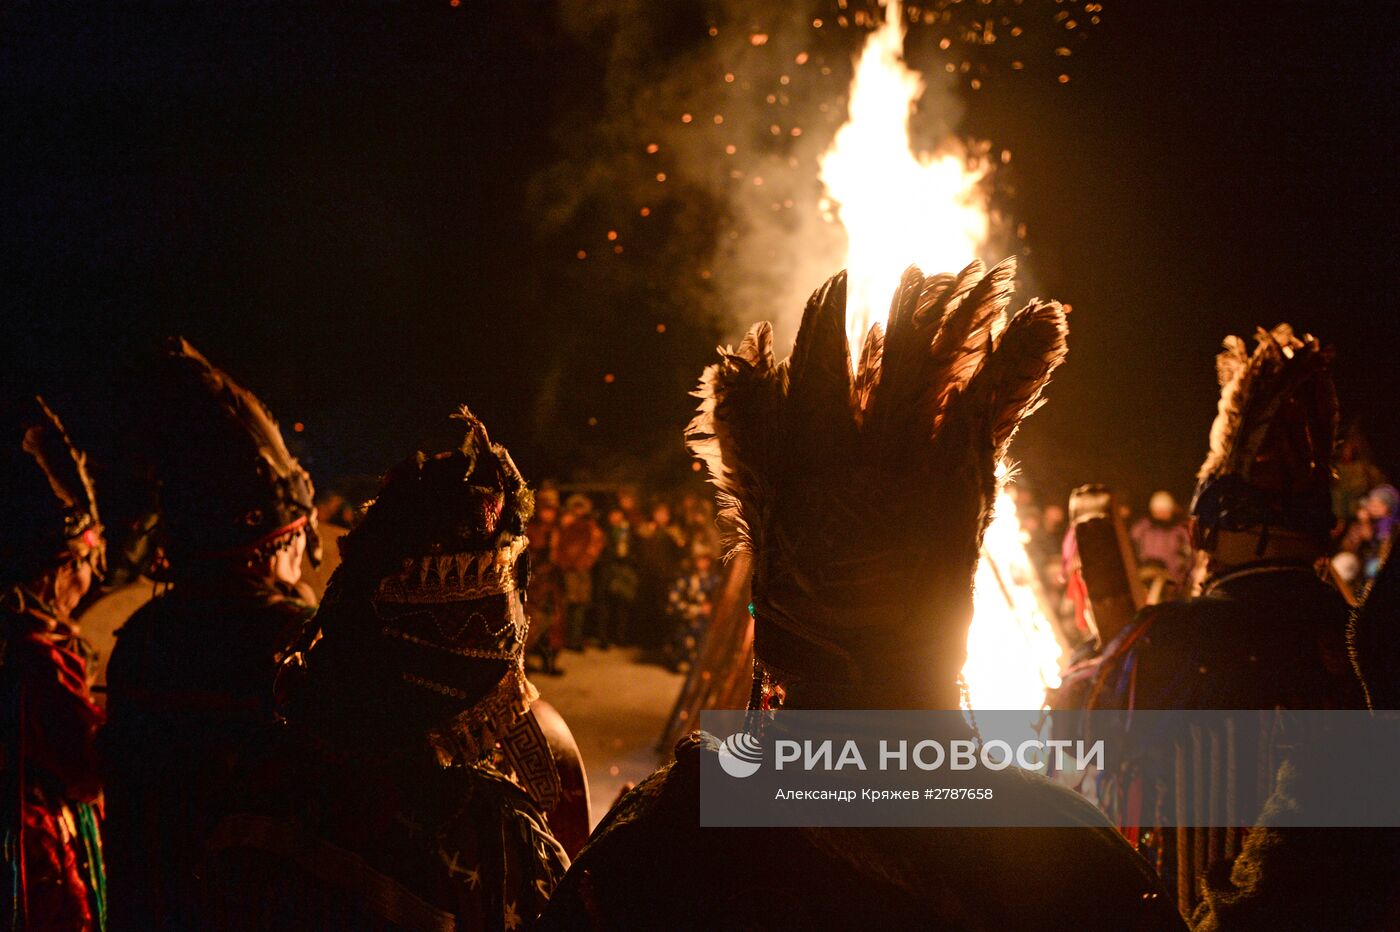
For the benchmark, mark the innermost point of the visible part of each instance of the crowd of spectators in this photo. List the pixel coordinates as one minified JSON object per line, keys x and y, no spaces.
{"x":1365,"y":504}
{"x":616,"y":566}
{"x":612,"y":567}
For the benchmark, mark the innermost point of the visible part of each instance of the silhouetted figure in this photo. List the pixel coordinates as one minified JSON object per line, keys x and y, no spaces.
{"x":191,"y":679}
{"x":412,"y":786}
{"x":578,"y":542}
{"x":863,"y":504}
{"x":617,"y":582}
{"x":1163,"y":543}
{"x":545,"y":602}
{"x":51,"y":548}
{"x":1265,"y":631}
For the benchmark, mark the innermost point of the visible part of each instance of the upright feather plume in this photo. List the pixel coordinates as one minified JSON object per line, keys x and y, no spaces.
{"x":1235,"y":369}
{"x":1276,"y":422}
{"x":964,"y":339}
{"x":938,"y":347}
{"x":50,"y":503}
{"x":1013,"y":381}
{"x":913,"y":356}
{"x":241,"y":406}
{"x":864,"y":499}
{"x":63,"y":466}
{"x":227,"y":482}
{"x":732,"y":431}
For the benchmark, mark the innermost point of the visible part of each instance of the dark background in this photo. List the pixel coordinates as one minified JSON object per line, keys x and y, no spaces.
{"x":340,"y":205}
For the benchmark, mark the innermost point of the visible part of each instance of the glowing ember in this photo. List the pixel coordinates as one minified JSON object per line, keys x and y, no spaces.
{"x":896,"y":206}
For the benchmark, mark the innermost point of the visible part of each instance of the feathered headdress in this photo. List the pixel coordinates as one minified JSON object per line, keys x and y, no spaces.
{"x":228,"y":486}
{"x":50,"y":504}
{"x":1272,"y":442}
{"x":864,"y":498}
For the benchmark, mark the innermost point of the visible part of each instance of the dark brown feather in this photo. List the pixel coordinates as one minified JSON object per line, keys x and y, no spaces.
{"x":732,"y":431}
{"x":1276,"y":422}
{"x":904,"y":373}
{"x":1012,"y":383}
{"x":817,"y":421}
{"x":868,"y":372}
{"x":64,"y":467}
{"x":964,"y":339}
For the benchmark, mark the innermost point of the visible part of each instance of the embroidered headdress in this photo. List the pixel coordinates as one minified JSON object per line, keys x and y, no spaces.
{"x":422,"y":630}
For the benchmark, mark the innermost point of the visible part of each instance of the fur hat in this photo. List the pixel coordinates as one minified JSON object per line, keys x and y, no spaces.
{"x":1272,"y":442}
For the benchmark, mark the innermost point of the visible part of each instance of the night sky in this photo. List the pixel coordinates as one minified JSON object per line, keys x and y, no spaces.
{"x":359,"y":210}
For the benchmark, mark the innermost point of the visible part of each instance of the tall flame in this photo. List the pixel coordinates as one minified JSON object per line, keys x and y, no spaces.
{"x":1013,"y":655}
{"x":900,"y":207}
{"x":896,"y":206}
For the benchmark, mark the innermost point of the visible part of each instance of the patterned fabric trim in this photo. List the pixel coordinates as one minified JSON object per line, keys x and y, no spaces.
{"x":527,"y":752}
{"x":450,"y":627}
{"x":501,"y":718}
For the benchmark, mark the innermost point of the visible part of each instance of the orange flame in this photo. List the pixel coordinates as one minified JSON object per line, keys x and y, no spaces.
{"x":900,"y":207}
{"x":1013,"y":654}
{"x":896,"y":206}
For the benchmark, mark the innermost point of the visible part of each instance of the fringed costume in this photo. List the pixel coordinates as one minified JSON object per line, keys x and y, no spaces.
{"x":1334,"y":878}
{"x":51,"y":870}
{"x":863,"y":500}
{"x":1265,"y":632}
